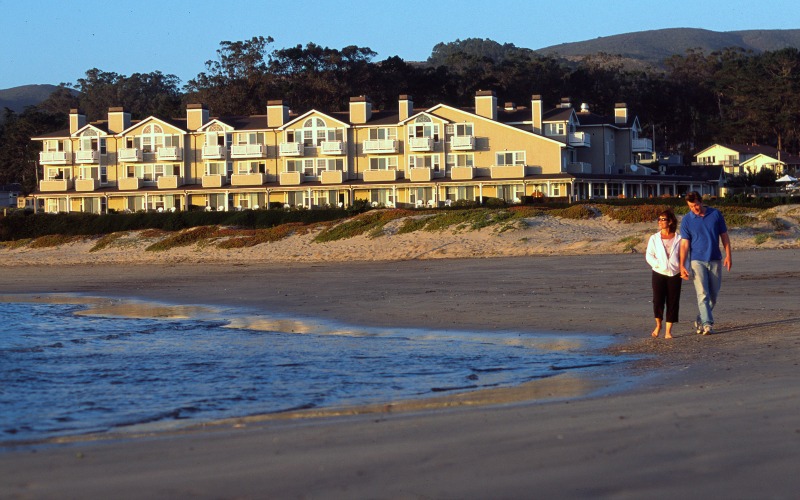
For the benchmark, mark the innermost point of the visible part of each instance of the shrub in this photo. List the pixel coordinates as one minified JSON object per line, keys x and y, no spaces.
{"x":575,"y":212}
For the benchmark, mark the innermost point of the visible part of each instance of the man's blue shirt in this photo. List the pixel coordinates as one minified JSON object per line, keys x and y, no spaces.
{"x":703,"y":234}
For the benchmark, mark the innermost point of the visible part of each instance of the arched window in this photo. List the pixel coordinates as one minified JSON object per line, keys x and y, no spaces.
{"x":423,"y":126}
{"x":152,"y":138}
{"x":314,"y":132}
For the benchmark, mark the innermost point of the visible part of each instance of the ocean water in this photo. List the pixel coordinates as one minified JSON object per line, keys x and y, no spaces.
{"x":66,"y":372}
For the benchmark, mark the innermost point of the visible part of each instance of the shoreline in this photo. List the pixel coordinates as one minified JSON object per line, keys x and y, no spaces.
{"x":719,"y":413}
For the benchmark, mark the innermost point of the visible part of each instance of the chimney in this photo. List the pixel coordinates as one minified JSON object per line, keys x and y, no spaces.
{"x":566,"y":102}
{"x":360,"y":109}
{"x":196,"y":116}
{"x":536,"y":112}
{"x":406,"y":107}
{"x":486,"y":104}
{"x":118,"y":120}
{"x":620,"y":112}
{"x":584,"y":107}
{"x":76,"y":120}
{"x":277,"y":114}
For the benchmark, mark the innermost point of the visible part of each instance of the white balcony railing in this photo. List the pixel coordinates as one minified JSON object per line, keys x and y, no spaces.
{"x":169,"y":153}
{"x":579,"y":167}
{"x":580,"y":139}
{"x":332,"y":147}
{"x":130,"y":154}
{"x":87,"y":156}
{"x":642,"y":145}
{"x":291,"y":149}
{"x":247,"y":151}
{"x":213,"y":152}
{"x":462,"y":142}
{"x":420,"y":143}
{"x":380,"y":146}
{"x":53,"y":157}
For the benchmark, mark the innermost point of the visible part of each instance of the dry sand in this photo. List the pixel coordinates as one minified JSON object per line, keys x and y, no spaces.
{"x":713,"y":416}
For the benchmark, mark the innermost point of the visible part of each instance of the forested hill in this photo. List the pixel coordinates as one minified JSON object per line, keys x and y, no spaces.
{"x":17,"y":98}
{"x":654,"y":46}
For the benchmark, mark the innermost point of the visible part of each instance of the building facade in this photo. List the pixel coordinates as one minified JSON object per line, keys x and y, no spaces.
{"x":408,"y":157}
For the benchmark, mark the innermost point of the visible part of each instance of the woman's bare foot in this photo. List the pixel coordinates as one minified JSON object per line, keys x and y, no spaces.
{"x":667,"y":335}
{"x":656,"y":331}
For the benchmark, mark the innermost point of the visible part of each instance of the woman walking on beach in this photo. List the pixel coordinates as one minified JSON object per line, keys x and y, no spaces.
{"x":663,"y":255}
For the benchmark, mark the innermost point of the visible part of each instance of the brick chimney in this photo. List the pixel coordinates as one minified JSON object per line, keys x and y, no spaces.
{"x":360,"y":109}
{"x":406,"y":107}
{"x":196,"y":116}
{"x":277,"y":114}
{"x":620,"y":112}
{"x":486,"y":104}
{"x":566,"y":102}
{"x":536,"y":113}
{"x":118,"y":120}
{"x":76,"y":120}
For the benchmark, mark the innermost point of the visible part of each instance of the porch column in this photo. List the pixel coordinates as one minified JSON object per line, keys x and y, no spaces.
{"x":590,"y":193}
{"x":145,"y":201}
{"x":310,"y":199}
{"x":605,"y":190}
{"x":69,"y":203}
{"x":266,"y":201}
{"x":480,"y":193}
{"x":641,"y":190}
{"x":658,"y":189}
{"x":394,"y":195}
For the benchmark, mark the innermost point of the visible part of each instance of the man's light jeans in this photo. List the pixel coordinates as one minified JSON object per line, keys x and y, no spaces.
{"x":707,"y":281}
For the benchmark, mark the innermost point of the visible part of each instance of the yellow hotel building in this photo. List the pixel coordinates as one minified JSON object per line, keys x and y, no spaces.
{"x":407,"y":157}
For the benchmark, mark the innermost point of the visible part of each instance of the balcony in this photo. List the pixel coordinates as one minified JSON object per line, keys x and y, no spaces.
{"x":332,"y":177}
{"x":247,"y":151}
{"x":579,"y":167}
{"x":55,"y":185}
{"x":86,"y":184}
{"x":380,"y":146}
{"x":291,"y":178}
{"x":332,"y":147}
{"x":508,"y":172}
{"x":462,"y":143}
{"x":462,"y":173}
{"x":579,"y":139}
{"x":250,"y":179}
{"x":421,"y":174}
{"x":380,"y":175}
{"x":129,"y":183}
{"x":214,"y":180}
{"x":169,"y":181}
{"x":642,"y":145}
{"x":424,"y":144}
{"x":54,"y":157}
{"x":87,"y":156}
{"x":292,"y":149}
{"x":169,"y":153}
{"x":130,"y":154}
{"x":214,"y":152}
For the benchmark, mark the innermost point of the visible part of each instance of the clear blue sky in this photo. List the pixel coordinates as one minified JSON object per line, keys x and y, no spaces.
{"x":56,"y":41}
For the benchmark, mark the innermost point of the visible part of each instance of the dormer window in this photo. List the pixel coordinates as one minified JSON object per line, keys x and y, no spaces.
{"x":216,"y":136}
{"x":90,"y":141}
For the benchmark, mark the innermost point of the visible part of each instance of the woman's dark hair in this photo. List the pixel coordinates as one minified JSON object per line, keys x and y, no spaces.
{"x":672,"y":221}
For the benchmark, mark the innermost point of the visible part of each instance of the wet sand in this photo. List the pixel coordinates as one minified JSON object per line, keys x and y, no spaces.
{"x":707,"y":416}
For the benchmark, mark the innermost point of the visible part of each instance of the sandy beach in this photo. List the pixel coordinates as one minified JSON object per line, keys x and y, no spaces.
{"x":704,"y":416}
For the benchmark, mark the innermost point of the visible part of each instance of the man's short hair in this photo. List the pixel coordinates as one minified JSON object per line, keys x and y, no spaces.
{"x":693,"y":197}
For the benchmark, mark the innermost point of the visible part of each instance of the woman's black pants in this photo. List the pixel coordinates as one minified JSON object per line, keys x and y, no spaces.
{"x":666,"y":290}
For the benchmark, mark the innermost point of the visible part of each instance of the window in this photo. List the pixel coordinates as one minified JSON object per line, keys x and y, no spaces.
{"x":455,"y":193}
{"x":460,"y":160}
{"x":381,"y":133}
{"x":420,"y":196}
{"x":249,"y":138}
{"x":424,"y":127}
{"x":507,"y":158}
{"x":152,"y":138}
{"x":383,"y":163}
{"x":555,"y":129}
{"x":215,"y":168}
{"x":462,"y":129}
{"x":251,"y":167}
{"x":424,"y":161}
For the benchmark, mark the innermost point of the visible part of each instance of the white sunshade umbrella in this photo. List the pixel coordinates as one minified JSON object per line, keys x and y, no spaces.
{"x":786,"y":178}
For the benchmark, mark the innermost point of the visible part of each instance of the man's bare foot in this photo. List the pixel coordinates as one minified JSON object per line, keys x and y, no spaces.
{"x":655,"y":333}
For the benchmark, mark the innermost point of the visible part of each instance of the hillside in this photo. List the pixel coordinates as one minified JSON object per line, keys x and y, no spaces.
{"x":654,"y":46}
{"x":16,"y":98}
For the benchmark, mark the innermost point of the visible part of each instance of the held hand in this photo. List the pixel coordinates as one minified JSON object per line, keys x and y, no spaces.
{"x":684,"y":273}
{"x":728,"y":262}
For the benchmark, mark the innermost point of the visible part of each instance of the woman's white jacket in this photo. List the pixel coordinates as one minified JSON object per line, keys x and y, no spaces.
{"x":656,"y":255}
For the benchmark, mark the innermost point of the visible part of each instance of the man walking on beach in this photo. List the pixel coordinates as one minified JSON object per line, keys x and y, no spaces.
{"x":701,"y":231}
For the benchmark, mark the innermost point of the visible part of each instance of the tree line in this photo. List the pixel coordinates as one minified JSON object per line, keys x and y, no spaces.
{"x":697,"y":99}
